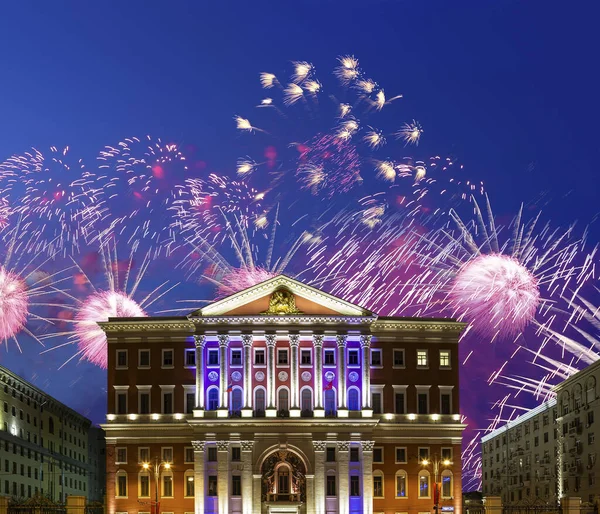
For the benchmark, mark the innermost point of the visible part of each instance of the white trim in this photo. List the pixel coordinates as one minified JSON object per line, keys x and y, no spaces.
{"x":280,"y":388}
{"x":139,"y":366}
{"x":423,"y":366}
{"x":209,"y":351}
{"x":446,"y":390}
{"x":380,"y":352}
{"x":162,"y":453}
{"x":189,"y":389}
{"x":405,"y":461}
{"x":419,"y":448}
{"x":287,"y":351}
{"x":208,"y":390}
{"x":262,"y":349}
{"x":447,"y":473}
{"x":188,"y":473}
{"x":162,"y":358}
{"x":120,"y":473}
{"x":256,"y":388}
{"x":353,"y":388}
{"x":379,"y":473}
{"x":121,"y":350}
{"x":139,"y":454}
{"x":312,"y":360}
{"x":335,"y":357}
{"x":241,"y":351}
{"x":117,"y":461}
{"x":400,"y":389}
{"x":423,"y":389}
{"x":185,"y":448}
{"x":144,"y":390}
{"x":382,"y":448}
{"x":359,"y":360}
{"x":401,"y":472}
{"x":403,"y":350}
{"x":187,"y":351}
{"x":167,"y":473}
{"x":449,"y":366}
{"x":312,"y":397}
{"x":146,"y":473}
{"x":424,"y":473}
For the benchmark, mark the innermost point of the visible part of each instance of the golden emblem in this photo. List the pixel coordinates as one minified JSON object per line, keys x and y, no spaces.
{"x":282,"y":302}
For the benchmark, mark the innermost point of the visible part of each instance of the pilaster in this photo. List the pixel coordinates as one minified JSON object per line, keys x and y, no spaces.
{"x":294,"y":343}
{"x":223,"y":345}
{"x":343,"y":448}
{"x":319,"y":412}
{"x":271,"y":340}
{"x":367,"y":474}
{"x":199,"y":487}
{"x":319,"y":506}
{"x":247,"y":341}
{"x":256,"y":494}
{"x":247,"y":484}
{"x":341,"y":340}
{"x":200,"y":342}
{"x":365,"y":344}
{"x":223,"y":476}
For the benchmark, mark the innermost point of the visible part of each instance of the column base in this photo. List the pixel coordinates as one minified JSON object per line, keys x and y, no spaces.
{"x":294,"y":413}
{"x":198,"y":413}
{"x":319,"y":413}
{"x":342,"y":413}
{"x":271,"y":413}
{"x":222,"y":413}
{"x":367,"y":413}
{"x":247,"y":413}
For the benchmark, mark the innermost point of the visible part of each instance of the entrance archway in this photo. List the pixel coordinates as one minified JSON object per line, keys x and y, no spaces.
{"x":283,"y":478}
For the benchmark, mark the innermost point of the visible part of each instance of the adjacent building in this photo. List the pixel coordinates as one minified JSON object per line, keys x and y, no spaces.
{"x":282,"y":398}
{"x":45,"y":446}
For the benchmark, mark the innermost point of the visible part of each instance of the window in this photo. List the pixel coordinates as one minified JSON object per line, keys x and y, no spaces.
{"x":591,"y":438}
{"x":167,"y":484}
{"x":236,"y":454}
{"x":282,"y":357}
{"x":354,"y":486}
{"x":401,"y":479}
{"x":167,"y":358}
{"x":189,"y":484}
{"x":259,"y":357}
{"x":330,"y":403}
{"x":445,"y":403}
{"x":590,"y":417}
{"x":354,"y":455}
{"x":167,"y":402}
{"x":377,"y":485}
{"x":121,"y":484}
{"x":283,"y":403}
{"x":422,"y":360}
{"x":236,"y":357}
{"x":144,"y":490}
{"x":398,"y":358}
{"x":378,"y":455}
{"x":330,"y":455}
{"x":422,"y":402}
{"x":331,"y":486}
{"x":376,"y":357}
{"x":353,"y":399}
{"x":190,"y":402}
{"x":447,"y":454}
{"x":400,"y":455}
{"x":305,"y":357}
{"x":212,"y":485}
{"x":212,"y":454}
{"x":167,"y":454}
{"x":144,"y":454}
{"x":545,"y":437}
{"x":423,"y":453}
{"x":259,"y":400}
{"x":444,"y":358}
{"x":189,"y":455}
{"x":143,"y":358}
{"x":377,"y":402}
{"x":236,"y":400}
{"x":121,"y":359}
{"x":121,"y":456}
{"x":399,"y":403}
{"x":236,"y":485}
{"x":121,"y":404}
{"x":353,"y":357}
{"x":447,"y":484}
{"x":306,"y":400}
{"x":329,"y":357}
{"x":213,"y":399}
{"x":190,"y":357}
{"x":424,"y":484}
{"x":144,"y":402}
{"x":212,"y":357}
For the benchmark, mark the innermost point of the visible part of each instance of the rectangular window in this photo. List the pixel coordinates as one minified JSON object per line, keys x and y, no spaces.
{"x":591,"y":438}
{"x":236,"y":357}
{"x":189,"y":486}
{"x":167,"y":486}
{"x":423,"y":454}
{"x":167,"y":358}
{"x":236,"y":454}
{"x":189,"y":455}
{"x":282,"y":357}
{"x":259,"y":357}
{"x":121,"y":403}
{"x":422,"y":360}
{"x":329,"y":357}
{"x":378,"y":486}
{"x":400,"y":455}
{"x":424,"y":486}
{"x":121,"y":359}
{"x":144,"y":403}
{"x":212,"y":485}
{"x":305,"y":357}
{"x":212,"y":454}
{"x":376,"y":403}
{"x":398,"y":358}
{"x":401,"y":485}
{"x":236,"y":485}
{"x":167,"y":402}
{"x":353,"y":357}
{"x":354,"y":455}
{"x":331,"y":486}
{"x":144,"y":485}
{"x":330,"y":457}
{"x":444,"y":358}
{"x":212,"y":357}
{"x":376,"y":357}
{"x":399,"y":403}
{"x":422,"y":403}
{"x":446,"y":403}
{"x":167,"y":454}
{"x":190,"y":402}
{"x":121,"y":456}
{"x":122,"y":486}
{"x":378,"y":455}
{"x":144,"y":454}
{"x":354,"y":486}
{"x":190,"y":357}
{"x":447,"y":454}
{"x":144,"y":358}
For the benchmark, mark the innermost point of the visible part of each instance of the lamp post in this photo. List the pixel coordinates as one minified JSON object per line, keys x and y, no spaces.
{"x":436,"y":463}
{"x":156,"y":467}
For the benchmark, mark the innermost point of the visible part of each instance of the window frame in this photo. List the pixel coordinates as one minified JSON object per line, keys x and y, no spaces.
{"x":331,"y":478}
{"x":213,"y":351}
{"x":140,"y":448}
{"x":143,"y":366}
{"x":162,"y":360}
{"x":426,"y":352}
{"x":353,"y":350}
{"x":119,"y":390}
{"x":403,"y":352}
{"x":185,"y":455}
{"x":424,"y":473}
{"x":377,"y":473}
{"x":358,"y":488}
{"x":310,"y":353}
{"x":329,"y":351}
{"x":121,"y":473}
{"x":189,"y":473}
{"x":373,"y":352}
{"x":186,"y":352}
{"x":143,"y":473}
{"x":447,"y":473}
{"x":120,"y":449}
{"x":396,"y":455}
{"x":126,"y":353}
{"x":404,"y":474}
{"x":144,"y":389}
{"x":382,"y":455}
{"x":449,"y":365}
{"x":165,"y":390}
{"x":423,"y":390}
{"x":241,"y":353}
{"x":286,"y":364}
{"x":260,"y":350}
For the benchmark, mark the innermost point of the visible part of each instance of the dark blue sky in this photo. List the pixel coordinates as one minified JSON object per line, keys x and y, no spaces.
{"x":509,"y":86}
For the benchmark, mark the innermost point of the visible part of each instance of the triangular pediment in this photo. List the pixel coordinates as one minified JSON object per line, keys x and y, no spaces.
{"x":281,"y":295}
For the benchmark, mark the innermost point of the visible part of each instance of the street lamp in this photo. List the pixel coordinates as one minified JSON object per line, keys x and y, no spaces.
{"x":436,"y":463}
{"x":157,"y":468}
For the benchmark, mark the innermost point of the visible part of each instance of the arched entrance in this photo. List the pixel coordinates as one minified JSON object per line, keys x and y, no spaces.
{"x":283,"y":478}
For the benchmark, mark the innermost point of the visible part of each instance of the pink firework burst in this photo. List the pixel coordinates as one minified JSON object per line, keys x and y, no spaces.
{"x":14,"y":304}
{"x":498,"y":289}
{"x":99,"y":306}
{"x":237,"y":279}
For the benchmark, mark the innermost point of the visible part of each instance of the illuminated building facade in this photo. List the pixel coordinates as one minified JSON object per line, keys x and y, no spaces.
{"x":46,"y":448}
{"x":282,"y":398}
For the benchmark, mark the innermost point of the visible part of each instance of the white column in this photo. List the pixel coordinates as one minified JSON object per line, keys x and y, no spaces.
{"x":247,"y":340}
{"x":310,"y":493}
{"x":319,"y":507}
{"x":199,"y":476}
{"x":223,"y":476}
{"x":223,"y":344}
{"x":256,"y":494}
{"x":344,"y":477}
{"x":318,"y":345}
{"x":367,"y":476}
{"x":341,"y":343}
{"x":295,"y":407}
{"x":247,"y":484}
{"x":365,"y":344}
{"x":200,"y":342}
{"x":271,"y":339}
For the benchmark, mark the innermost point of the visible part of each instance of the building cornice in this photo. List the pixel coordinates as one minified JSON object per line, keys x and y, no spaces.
{"x":389,"y":325}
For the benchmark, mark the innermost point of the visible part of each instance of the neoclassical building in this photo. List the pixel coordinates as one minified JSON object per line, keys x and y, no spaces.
{"x":283,"y":399}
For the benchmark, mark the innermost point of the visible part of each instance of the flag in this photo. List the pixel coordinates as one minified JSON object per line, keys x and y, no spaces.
{"x":328,"y":386}
{"x":230,"y":387}
{"x":436,"y":493}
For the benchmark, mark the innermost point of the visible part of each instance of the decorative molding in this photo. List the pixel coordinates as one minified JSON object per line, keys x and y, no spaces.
{"x":292,"y":319}
{"x":318,"y":340}
{"x":271,"y":339}
{"x":330,"y":376}
{"x":259,"y":376}
{"x":247,"y":339}
{"x":353,"y":376}
{"x":343,"y":446}
{"x":319,"y":446}
{"x":200,"y":341}
{"x":213,"y":376}
{"x":223,"y":446}
{"x":417,"y":324}
{"x":283,"y":376}
{"x":368,"y":446}
{"x":306,"y":376}
{"x":247,"y":445}
{"x":236,"y":376}
{"x":223,"y":340}
{"x":341,"y":340}
{"x":145,"y":325}
{"x":294,"y":340}
{"x":365,"y":341}
{"x":198,"y":445}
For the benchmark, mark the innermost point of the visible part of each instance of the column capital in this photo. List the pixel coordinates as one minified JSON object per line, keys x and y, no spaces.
{"x":247,"y":445}
{"x":198,"y":445}
{"x":223,"y":340}
{"x":365,"y":341}
{"x":341,"y":340}
{"x":294,"y":340}
{"x":271,"y":339}
{"x":200,"y":341}
{"x":368,"y":446}
{"x":343,"y":446}
{"x":223,"y":446}
{"x":319,"y":446}
{"x":318,"y":340}
{"x":247,"y":339}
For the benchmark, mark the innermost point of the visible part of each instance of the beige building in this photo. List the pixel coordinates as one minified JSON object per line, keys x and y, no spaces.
{"x":519,"y":459}
{"x":45,"y":446}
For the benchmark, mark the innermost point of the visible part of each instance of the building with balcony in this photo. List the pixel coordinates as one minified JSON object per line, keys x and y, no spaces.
{"x":46,"y":448}
{"x":282,"y":398}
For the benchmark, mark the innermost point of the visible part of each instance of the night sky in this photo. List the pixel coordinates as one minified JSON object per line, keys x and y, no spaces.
{"x":510,"y":87}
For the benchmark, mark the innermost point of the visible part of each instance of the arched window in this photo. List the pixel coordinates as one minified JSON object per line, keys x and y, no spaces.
{"x":236,"y":399}
{"x":282,"y":482}
{"x":378,"y":491}
{"x":577,"y":397}
{"x":189,"y":483}
{"x":121,"y":484}
{"x":565,"y":403}
{"x":283,"y":403}
{"x":51,"y":424}
{"x":144,"y":484}
{"x":590,"y":392}
{"x":306,"y":403}
{"x":447,"y":484}
{"x":330,"y":404}
{"x":353,"y":399}
{"x":212,"y":402}
{"x":167,"y":484}
{"x":401,"y":484}
{"x":259,"y":401}
{"x":424,"y":484}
